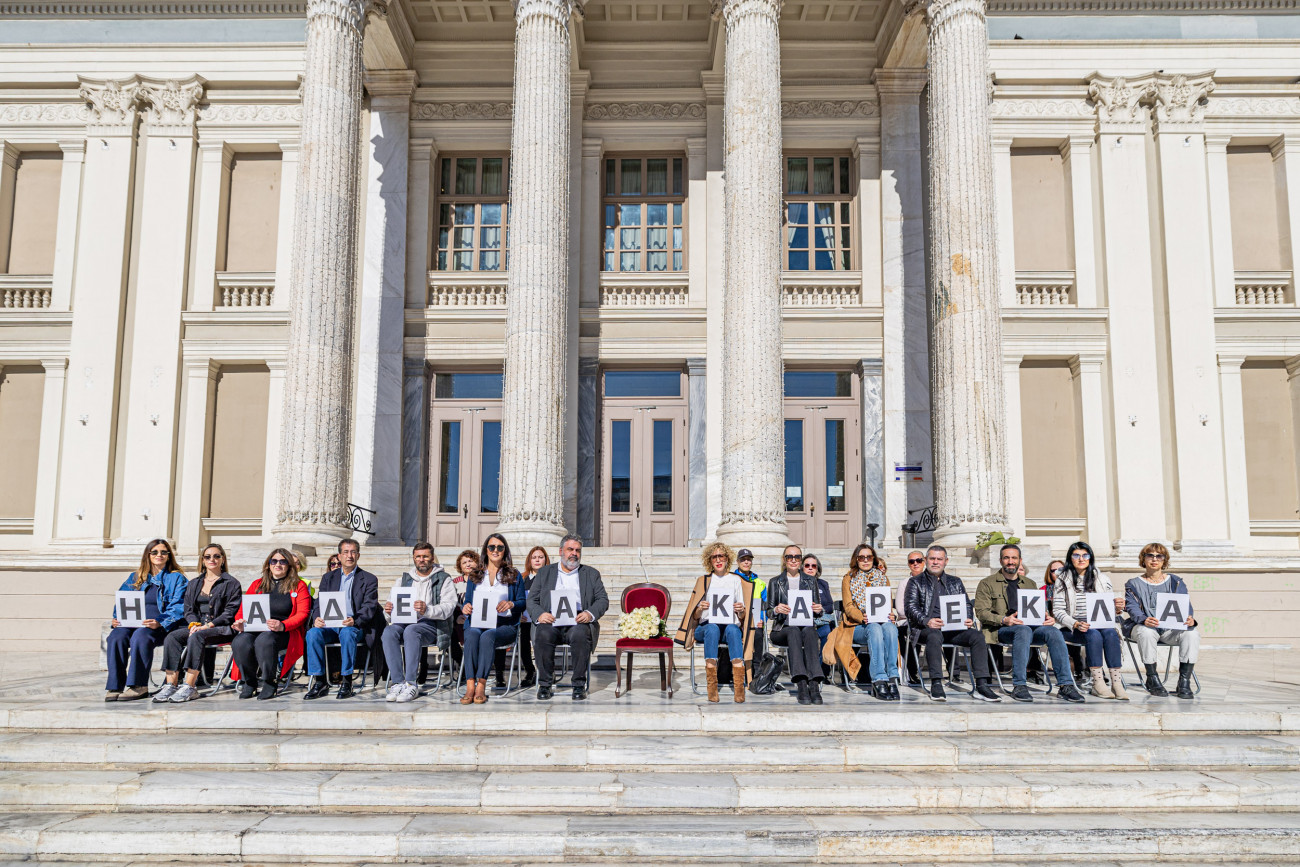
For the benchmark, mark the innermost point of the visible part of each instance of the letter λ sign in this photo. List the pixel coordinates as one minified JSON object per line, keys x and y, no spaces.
{"x":1101,"y":611}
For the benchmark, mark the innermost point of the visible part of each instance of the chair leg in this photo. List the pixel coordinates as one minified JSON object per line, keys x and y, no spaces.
{"x":695,"y":687}
{"x":996,"y":669}
{"x":672,"y":669}
{"x":618,"y":671}
{"x":630,"y":658}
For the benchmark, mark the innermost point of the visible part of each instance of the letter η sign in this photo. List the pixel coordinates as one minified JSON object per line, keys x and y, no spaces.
{"x":130,"y":607}
{"x":564,"y":605}
{"x":257,"y":610}
{"x":1171,"y":610}
{"x":1033,"y":606}
{"x":721,"y":610}
{"x":952,"y":611}
{"x":332,"y":608}
{"x":404,"y":605}
{"x":485,"y":608}
{"x":801,"y":613}
{"x":878,"y":605}
{"x":1101,"y":611}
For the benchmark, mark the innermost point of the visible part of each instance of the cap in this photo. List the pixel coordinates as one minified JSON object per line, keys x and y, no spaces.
{"x":745,"y":554}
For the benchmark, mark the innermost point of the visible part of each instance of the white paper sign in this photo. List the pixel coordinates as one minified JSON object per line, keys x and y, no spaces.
{"x":257,"y":610}
{"x":1031,"y":606}
{"x":756,"y":613}
{"x":332,"y":608}
{"x":721,"y":610}
{"x":952,"y":611}
{"x":878,"y":605}
{"x":1171,"y":610}
{"x":130,"y":607}
{"x":485,"y":608}
{"x":404,"y":605}
{"x":1100,"y":611}
{"x":564,"y":605}
{"x":801,"y":613}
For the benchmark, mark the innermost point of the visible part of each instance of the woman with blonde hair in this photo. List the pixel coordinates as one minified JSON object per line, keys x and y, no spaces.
{"x":163,"y":583}
{"x":256,"y":653}
{"x":713,"y":628}
{"x":211,"y":602}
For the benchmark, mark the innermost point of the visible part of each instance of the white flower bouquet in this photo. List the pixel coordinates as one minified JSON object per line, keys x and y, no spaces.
{"x":642,"y":623}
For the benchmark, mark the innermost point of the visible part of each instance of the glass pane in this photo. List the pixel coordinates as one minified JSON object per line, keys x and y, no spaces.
{"x":844,"y":176}
{"x":463,"y":237}
{"x":835,"y":465}
{"x":643,"y":383}
{"x":796,"y":236}
{"x":610,"y":189}
{"x":609,"y":261}
{"x":466,"y":169}
{"x":844,"y":213}
{"x":449,"y":468}
{"x":444,"y":238}
{"x":656,"y":239}
{"x":611,"y":215}
{"x":629,"y":239}
{"x":629,"y":261}
{"x":823,"y":175}
{"x":464,"y":215}
{"x":656,"y":215}
{"x":468,"y":386}
{"x":631,"y":171}
{"x":492,"y":176}
{"x":677,"y":239}
{"x":796,"y":176}
{"x":656,"y":177}
{"x":462,"y":261}
{"x":656,"y":262}
{"x":490,"y":215}
{"x":663,"y":466}
{"x":844,"y":238}
{"x":444,"y":187}
{"x":442,"y":261}
{"x":620,"y":466}
{"x":444,"y":215}
{"x":825,"y":260}
{"x":677,"y":176}
{"x":609,"y":239}
{"x":793,"y":465}
{"x":489,"y":261}
{"x":490,"y":484}
{"x":817,"y":383}
{"x":677,"y":261}
{"x":677,"y":215}
{"x":796,"y":213}
{"x":798,"y":260}
{"x":489,"y":238}
{"x":629,"y":215}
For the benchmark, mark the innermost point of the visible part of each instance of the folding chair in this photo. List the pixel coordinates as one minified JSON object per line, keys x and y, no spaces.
{"x":515,"y":667}
{"x":950,"y":652}
{"x":363,"y":650}
{"x":1169,"y":661}
{"x":1049,"y":671}
{"x":858,"y":650}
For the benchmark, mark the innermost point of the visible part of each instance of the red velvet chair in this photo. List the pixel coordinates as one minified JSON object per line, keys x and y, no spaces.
{"x":645,"y":595}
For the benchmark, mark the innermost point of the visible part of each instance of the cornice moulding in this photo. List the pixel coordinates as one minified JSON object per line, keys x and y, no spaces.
{"x":1138,"y":7}
{"x":158,"y":9}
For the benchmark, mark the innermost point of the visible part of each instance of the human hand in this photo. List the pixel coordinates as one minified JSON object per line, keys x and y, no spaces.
{"x":319,"y":624}
{"x":504,"y":606}
{"x":420,"y":606}
{"x":545,"y":617}
{"x":388,"y":608}
{"x":934,"y":623}
{"x":782,"y":609}
{"x":150,"y":623}
{"x":817,"y":609}
{"x":583,"y":617}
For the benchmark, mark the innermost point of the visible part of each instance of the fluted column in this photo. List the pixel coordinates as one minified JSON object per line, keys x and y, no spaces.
{"x":316,"y":436}
{"x":753,"y":501}
{"x":537,"y":299}
{"x":970,"y":488}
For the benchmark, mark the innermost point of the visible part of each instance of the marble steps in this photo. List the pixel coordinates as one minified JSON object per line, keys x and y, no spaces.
{"x":829,"y":837}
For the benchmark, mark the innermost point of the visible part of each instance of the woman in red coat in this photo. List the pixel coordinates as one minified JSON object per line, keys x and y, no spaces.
{"x":256,"y":653}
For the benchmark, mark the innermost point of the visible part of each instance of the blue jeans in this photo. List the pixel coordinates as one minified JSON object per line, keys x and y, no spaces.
{"x":881,"y":640}
{"x":1021,"y":638}
{"x":1096,"y":641}
{"x":711,"y":635}
{"x":480,"y":645}
{"x":348,"y":638}
{"x":134,"y":645}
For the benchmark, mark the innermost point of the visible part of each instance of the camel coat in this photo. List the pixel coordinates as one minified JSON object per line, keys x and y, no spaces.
{"x":686,"y":632}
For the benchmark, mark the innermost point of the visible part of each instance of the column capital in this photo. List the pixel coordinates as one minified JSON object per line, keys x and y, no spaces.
{"x":593,"y":147}
{"x":213,"y":150}
{"x":200,"y":367}
{"x":73,"y":149}
{"x":730,"y":10}
{"x":112,"y":104}
{"x":346,"y":13}
{"x":939,"y":12}
{"x":1089,"y":362}
{"x":697,"y":147}
{"x":1012,"y":357}
{"x":588,"y":365}
{"x":1217,"y":142}
{"x":55,"y":366}
{"x":289,"y":147}
{"x":1002,"y":143}
{"x":696,"y":366}
{"x":1287,"y":143}
{"x":1293,"y":367}
{"x":171,"y":105}
{"x":414,"y":367}
{"x":391,"y":89}
{"x":1179,"y":101}
{"x":1230,"y":362}
{"x":866,"y":146}
{"x":1082,"y":142}
{"x":871,"y":366}
{"x":900,"y":84}
{"x":1120,"y":101}
{"x":558,"y":10}
{"x":422,"y":150}
{"x":714,"y":88}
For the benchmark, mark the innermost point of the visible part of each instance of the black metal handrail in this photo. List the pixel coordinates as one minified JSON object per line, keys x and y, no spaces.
{"x":360,"y":518}
{"x":926,"y":522}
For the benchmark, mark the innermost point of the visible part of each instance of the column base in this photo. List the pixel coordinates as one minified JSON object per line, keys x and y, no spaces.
{"x":523,"y":535}
{"x":754,"y":534}
{"x":1209,"y":548}
{"x":966,"y":535}
{"x":313,"y":535}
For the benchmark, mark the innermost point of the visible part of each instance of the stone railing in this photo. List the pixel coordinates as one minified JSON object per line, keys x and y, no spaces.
{"x":245,"y":289}
{"x":1045,"y":288}
{"x":467,"y":289}
{"x":639,"y":289}
{"x":25,"y":292}
{"x":821,"y":289}
{"x":1263,"y":288}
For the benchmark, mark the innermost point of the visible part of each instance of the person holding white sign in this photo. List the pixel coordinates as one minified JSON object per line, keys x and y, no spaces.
{"x":1143,"y":624}
{"x":162,"y":610}
{"x":803,"y":643}
{"x":566,"y":577}
{"x":870,"y":621}
{"x":363,"y":620}
{"x":1012,"y":610}
{"x":256,"y":653}
{"x":928,"y":617}
{"x":1070,"y":608}
{"x":432,"y":596}
{"x":717,"y":613}
{"x":501,"y":599}
{"x":211,"y":603}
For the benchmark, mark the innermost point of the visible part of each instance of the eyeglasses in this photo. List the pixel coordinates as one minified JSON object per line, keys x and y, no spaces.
{"x":1155,"y":556}
{"x":496,"y":547}
{"x":159,"y":552}
{"x":810,"y":565}
{"x":916,"y":560}
{"x":792,"y":556}
{"x":279,"y":561}
{"x":718,"y":557}
{"x":1079,"y":555}
{"x":211,"y":556}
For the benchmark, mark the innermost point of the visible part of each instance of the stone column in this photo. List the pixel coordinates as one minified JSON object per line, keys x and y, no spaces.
{"x":316,"y":434}
{"x":213,"y":187}
{"x":537,"y":297}
{"x":753,"y":501}
{"x":970,"y":450}
{"x":588,"y":435}
{"x":1234,"y":449}
{"x":415,"y":448}
{"x":873,"y":446}
{"x":697,"y":455}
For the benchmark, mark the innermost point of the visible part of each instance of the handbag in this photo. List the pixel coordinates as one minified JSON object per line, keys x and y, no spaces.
{"x":767,"y":671}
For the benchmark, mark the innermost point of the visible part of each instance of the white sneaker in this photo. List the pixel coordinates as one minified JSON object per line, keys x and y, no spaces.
{"x":165,"y":694}
{"x":185,"y":693}
{"x":394,"y":689}
{"x":409,"y":692}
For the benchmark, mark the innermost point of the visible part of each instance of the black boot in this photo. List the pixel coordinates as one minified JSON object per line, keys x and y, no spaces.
{"x":1152,"y":683}
{"x":1185,"y":680}
{"x":815,"y":691}
{"x":804,"y":697}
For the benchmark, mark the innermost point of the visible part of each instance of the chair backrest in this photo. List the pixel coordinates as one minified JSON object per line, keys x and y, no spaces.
{"x":647,"y":595}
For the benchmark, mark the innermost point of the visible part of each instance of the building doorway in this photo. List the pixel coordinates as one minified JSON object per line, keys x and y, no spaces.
{"x":823,"y":473}
{"x":465,"y":454}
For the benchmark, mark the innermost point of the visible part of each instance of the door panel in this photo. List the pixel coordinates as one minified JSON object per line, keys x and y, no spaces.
{"x":643,"y":473}
{"x":823,"y":483}
{"x":796,"y":505}
{"x":465,"y":450}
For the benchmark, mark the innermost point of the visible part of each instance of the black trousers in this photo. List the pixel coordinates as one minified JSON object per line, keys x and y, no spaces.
{"x":525,"y":647}
{"x":182,"y":642}
{"x":803,"y":650}
{"x":548,"y":635}
{"x":258,"y":654}
{"x":935,"y":639}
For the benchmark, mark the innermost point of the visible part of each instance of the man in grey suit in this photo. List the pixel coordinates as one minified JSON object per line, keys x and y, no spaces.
{"x":568,"y":574}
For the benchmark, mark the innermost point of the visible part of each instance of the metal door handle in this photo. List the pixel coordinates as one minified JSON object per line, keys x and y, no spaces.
{"x":812,"y":509}
{"x":638,"y":510}
{"x":465,"y":510}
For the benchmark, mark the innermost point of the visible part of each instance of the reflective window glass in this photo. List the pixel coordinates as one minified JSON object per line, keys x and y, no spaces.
{"x":793,"y":465}
{"x":818,"y":383}
{"x":468,"y":386}
{"x":620,"y":461}
{"x":449,"y":468}
{"x":835,"y":465}
{"x":490,"y":484}
{"x":643,"y":383}
{"x":663,"y":466}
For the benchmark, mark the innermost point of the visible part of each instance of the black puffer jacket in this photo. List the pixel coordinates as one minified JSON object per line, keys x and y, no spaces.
{"x":922,"y":602}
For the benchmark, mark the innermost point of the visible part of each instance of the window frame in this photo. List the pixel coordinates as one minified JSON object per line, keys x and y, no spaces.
{"x":644,"y":199}
{"x":843,"y":175}
{"x":442,"y":197}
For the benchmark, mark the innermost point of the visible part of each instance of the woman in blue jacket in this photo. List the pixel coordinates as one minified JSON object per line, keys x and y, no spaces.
{"x":163,"y":583}
{"x":496,"y":574}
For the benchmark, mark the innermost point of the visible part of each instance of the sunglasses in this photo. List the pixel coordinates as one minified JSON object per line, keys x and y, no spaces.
{"x":496,"y":547}
{"x":864,"y":557}
{"x":718,"y":557}
{"x":810,"y":565}
{"x":1079,"y":555}
{"x":211,"y":556}
{"x":279,"y":561}
{"x":161,"y":552}
{"x":914,"y":561}
{"x":792,"y":556}
{"x":1155,"y":556}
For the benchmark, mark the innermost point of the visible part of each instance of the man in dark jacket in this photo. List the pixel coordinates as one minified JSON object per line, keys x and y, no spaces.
{"x":363,"y":619}
{"x":568,"y":574}
{"x":923,"y":614}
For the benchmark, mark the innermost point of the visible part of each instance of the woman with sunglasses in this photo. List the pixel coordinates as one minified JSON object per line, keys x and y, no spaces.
{"x":256,"y":653}
{"x":880,"y":639}
{"x":537,"y":558}
{"x":803,"y":643}
{"x":499,"y":577}
{"x":700,"y":624}
{"x":163,"y":583}
{"x":211,"y":603}
{"x":1143,"y":625}
{"x":1070,"y":608}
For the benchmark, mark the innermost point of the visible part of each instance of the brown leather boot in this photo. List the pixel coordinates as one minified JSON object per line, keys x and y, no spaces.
{"x":738,"y":681}
{"x":470,"y":686}
{"x":711,"y":678}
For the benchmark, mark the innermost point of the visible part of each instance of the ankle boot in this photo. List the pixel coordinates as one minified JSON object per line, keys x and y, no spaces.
{"x":804,"y":693}
{"x":1117,"y":684}
{"x":711,"y":678}
{"x":1185,"y":680}
{"x":1099,"y":687}
{"x":470,"y":686}
{"x":738,"y":681}
{"x":1153,"y":684}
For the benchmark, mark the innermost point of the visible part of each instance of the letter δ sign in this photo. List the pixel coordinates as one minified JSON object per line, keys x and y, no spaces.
{"x":721,"y":606}
{"x":130,"y":607}
{"x":1101,"y":611}
{"x":878,"y":605}
{"x":564,"y":605}
{"x":404,"y":605}
{"x":332,"y":608}
{"x":801,"y":613}
{"x":257,"y":610}
{"x":1171,"y":610}
{"x":485,"y":607}
{"x":952,"y":611}
{"x":1032,"y":606}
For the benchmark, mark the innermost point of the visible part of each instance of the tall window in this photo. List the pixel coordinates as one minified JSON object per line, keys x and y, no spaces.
{"x":643,"y":214}
{"x":818,"y":213}
{"x":473,"y":193}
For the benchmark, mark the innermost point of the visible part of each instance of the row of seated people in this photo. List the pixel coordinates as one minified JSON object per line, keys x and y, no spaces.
{"x":187,"y":616}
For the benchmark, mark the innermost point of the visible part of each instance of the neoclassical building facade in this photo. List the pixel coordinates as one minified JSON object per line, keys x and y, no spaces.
{"x":652,"y":272}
